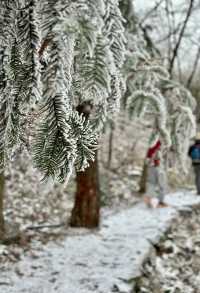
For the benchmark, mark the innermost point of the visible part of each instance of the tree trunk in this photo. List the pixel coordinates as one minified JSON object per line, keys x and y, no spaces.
{"x":2,"y":228}
{"x":110,"y":146}
{"x":85,"y":212}
{"x":143,"y":180}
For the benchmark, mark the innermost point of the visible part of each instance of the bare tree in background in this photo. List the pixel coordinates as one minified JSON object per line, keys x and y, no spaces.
{"x":2,"y":227}
{"x":180,"y":37}
{"x":194,"y":68}
{"x":110,"y":144}
{"x":172,"y":28}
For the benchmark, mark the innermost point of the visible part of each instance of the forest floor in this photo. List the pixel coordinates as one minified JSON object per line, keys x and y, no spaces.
{"x":173,"y":264}
{"x":107,"y":260}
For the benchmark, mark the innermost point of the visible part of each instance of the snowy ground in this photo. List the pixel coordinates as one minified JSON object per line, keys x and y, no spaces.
{"x":103,"y":261}
{"x":173,"y":264}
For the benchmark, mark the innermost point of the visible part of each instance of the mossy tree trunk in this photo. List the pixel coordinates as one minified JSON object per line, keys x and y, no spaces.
{"x":87,"y":199}
{"x":2,"y":228}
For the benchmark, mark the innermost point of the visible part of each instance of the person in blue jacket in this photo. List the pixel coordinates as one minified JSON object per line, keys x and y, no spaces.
{"x":194,"y":154}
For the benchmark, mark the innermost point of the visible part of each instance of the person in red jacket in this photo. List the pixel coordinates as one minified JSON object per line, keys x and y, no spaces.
{"x":155,"y":177}
{"x":153,"y":154}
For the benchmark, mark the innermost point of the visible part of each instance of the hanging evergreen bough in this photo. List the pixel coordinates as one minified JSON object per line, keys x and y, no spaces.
{"x":152,"y":103}
{"x":56,"y":55}
{"x":20,"y":91}
{"x":150,"y":92}
{"x":144,"y":95}
{"x":27,"y":27}
{"x":115,"y":32}
{"x":181,"y":121}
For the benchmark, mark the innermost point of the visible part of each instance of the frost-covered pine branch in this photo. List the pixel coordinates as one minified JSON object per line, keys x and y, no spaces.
{"x":150,"y":90}
{"x":144,"y":95}
{"x":181,"y":121}
{"x":55,"y":56}
{"x":151,"y":94}
{"x":18,"y":43}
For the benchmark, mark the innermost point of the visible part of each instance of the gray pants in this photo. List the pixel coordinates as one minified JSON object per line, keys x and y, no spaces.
{"x":156,"y":183}
{"x":197,"y":177}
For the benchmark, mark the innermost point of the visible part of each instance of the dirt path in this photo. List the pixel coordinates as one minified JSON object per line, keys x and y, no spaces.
{"x":105,"y":261}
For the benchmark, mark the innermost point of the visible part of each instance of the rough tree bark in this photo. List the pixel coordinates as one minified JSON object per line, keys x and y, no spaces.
{"x":2,"y":228}
{"x":110,"y":144}
{"x":86,"y":210}
{"x":143,"y":180}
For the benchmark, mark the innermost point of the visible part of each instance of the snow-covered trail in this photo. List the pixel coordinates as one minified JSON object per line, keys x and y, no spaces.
{"x":104,"y":261}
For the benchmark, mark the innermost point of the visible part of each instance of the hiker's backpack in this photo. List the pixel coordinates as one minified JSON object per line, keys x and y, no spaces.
{"x":195,"y":154}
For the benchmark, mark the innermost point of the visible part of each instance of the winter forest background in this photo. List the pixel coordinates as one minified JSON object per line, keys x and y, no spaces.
{"x":86,"y":86}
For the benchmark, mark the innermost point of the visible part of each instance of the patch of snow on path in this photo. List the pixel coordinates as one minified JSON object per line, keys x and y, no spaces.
{"x":104,"y":261}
